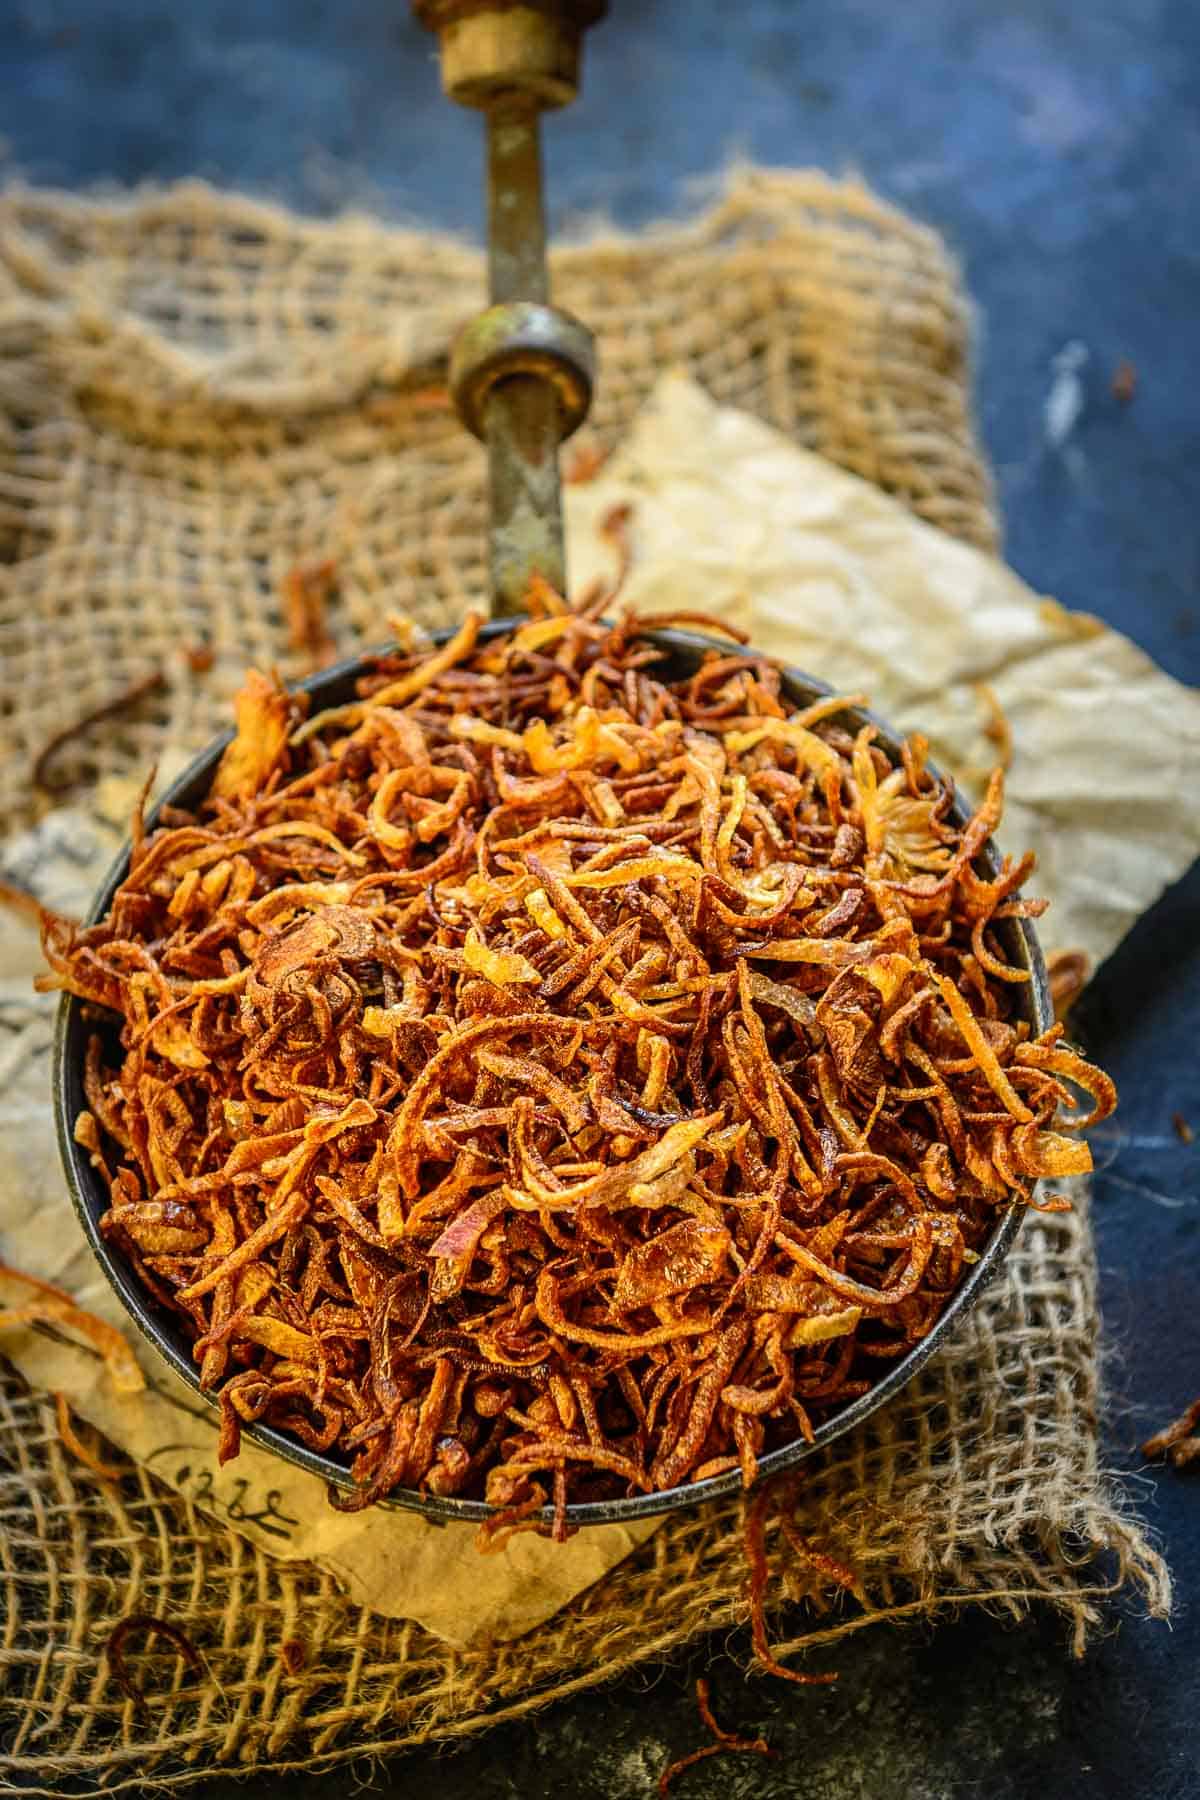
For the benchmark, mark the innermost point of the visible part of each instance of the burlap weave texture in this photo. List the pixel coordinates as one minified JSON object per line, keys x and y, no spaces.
{"x":198,"y":394}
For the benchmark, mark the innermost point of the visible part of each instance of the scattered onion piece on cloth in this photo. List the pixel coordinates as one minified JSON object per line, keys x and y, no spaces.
{"x":50,"y":1305}
{"x":543,"y":1080}
{"x":146,"y":1625}
{"x":83,"y":1453}
{"x":1179,"y":1442}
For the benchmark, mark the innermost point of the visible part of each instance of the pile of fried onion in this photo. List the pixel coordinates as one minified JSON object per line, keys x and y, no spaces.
{"x":544,"y":1079}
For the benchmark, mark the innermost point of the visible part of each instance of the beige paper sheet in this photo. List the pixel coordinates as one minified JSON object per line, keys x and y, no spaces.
{"x":826,"y":572}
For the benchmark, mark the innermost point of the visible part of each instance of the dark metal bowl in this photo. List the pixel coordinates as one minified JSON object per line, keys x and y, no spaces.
{"x":334,"y":687}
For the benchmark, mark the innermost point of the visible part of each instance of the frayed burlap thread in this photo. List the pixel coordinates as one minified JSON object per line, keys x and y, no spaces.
{"x":198,"y":393}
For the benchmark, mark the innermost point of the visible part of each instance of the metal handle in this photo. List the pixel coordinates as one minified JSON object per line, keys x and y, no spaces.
{"x":522,"y":373}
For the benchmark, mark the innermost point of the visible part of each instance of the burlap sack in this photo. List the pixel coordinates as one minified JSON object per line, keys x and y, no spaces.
{"x":198,"y":394}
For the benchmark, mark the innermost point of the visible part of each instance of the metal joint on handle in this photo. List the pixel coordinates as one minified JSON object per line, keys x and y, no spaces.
{"x":523,"y":337}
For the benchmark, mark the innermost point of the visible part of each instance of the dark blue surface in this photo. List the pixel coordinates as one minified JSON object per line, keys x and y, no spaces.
{"x":1056,"y":145}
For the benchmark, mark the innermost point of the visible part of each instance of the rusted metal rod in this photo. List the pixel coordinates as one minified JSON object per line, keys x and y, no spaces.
{"x":516,"y":218}
{"x":521,"y":374}
{"x":523,"y":418}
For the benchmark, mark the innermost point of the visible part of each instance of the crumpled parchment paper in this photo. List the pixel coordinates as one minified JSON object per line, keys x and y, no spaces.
{"x":822,"y":570}
{"x":830,"y":574}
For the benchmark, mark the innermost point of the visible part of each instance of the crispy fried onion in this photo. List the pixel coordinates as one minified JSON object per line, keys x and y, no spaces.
{"x":722,"y":1742}
{"x":1180,"y":1440}
{"x":543,"y":1080}
{"x":40,"y":1303}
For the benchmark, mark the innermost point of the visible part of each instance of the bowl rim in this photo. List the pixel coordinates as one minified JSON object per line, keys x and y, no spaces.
{"x":156,"y":1324}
